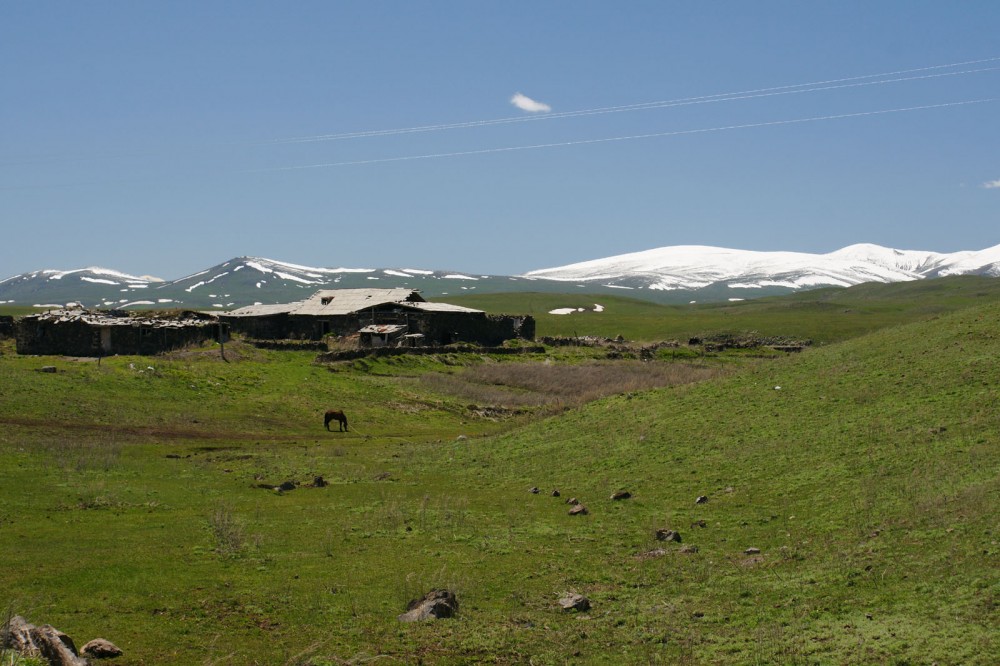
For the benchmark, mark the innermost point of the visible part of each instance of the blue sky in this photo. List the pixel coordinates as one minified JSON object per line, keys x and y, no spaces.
{"x":163,"y":138}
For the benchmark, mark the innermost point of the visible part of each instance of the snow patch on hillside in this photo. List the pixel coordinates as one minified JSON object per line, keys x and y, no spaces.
{"x":566,"y":311}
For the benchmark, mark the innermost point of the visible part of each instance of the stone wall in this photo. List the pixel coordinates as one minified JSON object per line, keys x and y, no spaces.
{"x":293,"y":327}
{"x":490,"y":330}
{"x":438,"y":328}
{"x":82,"y":338}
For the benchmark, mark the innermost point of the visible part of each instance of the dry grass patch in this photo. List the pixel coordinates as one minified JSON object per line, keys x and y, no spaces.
{"x":235,"y":350}
{"x":513,"y":385}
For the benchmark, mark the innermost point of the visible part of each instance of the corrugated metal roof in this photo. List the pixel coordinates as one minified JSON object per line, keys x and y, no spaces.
{"x":347,"y":301}
{"x":333,"y":302}
{"x":261,"y":310}
{"x":439,"y":307}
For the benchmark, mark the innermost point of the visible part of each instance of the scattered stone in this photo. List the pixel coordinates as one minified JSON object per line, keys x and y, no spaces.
{"x":320,"y":482}
{"x":699,"y":523}
{"x":729,"y":489}
{"x":650,"y":554}
{"x":461,"y":438}
{"x":173,"y":455}
{"x":286,"y":486}
{"x":621,"y":494}
{"x":47,"y":368}
{"x":664,"y":534}
{"x":688,"y":549}
{"x":752,"y":551}
{"x":100,"y":648}
{"x":578,"y":510}
{"x":434,"y":605}
{"x":381,"y":476}
{"x":555,"y":493}
{"x":574,"y":601}
{"x":572,"y":500}
{"x":701,"y":499}
{"x":534,"y":490}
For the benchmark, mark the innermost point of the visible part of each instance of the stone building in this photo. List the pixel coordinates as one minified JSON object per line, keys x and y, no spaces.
{"x":106,"y":333}
{"x":380,"y":317}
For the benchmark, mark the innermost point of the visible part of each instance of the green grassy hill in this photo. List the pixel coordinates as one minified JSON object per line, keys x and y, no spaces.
{"x":864,"y":472}
{"x":868,"y":480}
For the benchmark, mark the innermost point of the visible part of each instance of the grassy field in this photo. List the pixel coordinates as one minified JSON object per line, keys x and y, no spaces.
{"x":18,"y":310}
{"x":137,"y":500}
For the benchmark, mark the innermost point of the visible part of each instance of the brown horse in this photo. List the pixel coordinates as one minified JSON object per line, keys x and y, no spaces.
{"x":335,"y":415}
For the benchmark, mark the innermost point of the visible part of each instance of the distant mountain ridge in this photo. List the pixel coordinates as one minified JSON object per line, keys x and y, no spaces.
{"x":671,"y":274}
{"x":231,"y":284}
{"x":693,"y":267}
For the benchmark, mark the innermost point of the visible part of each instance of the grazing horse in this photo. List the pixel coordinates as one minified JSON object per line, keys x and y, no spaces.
{"x":335,"y":415}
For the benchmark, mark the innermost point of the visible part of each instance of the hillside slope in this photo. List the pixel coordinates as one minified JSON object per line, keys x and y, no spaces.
{"x":865,"y":472}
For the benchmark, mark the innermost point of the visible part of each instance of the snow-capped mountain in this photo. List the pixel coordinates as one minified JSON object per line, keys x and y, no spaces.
{"x":234,"y":283}
{"x":248,"y":280}
{"x":668,"y":274}
{"x":82,"y":285}
{"x":694,"y":267}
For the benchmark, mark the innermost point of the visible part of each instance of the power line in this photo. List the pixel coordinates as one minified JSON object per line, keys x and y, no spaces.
{"x":581,"y":142}
{"x":815,"y":86}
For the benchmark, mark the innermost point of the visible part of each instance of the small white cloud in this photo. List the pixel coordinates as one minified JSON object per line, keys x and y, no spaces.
{"x":525,"y":103}
{"x":992,"y":184}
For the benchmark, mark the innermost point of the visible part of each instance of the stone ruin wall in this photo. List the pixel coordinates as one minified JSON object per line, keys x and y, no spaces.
{"x":489,"y":330}
{"x":437,"y":327}
{"x":80,"y":338}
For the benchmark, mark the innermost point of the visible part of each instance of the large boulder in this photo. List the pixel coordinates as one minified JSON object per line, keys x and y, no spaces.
{"x":45,"y":641}
{"x":575,"y":602}
{"x":434,"y":605}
